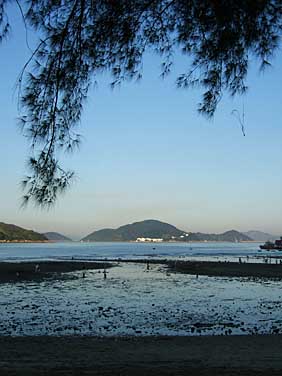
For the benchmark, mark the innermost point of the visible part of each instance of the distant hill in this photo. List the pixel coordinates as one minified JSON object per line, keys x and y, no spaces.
{"x":10,"y":232}
{"x":233,"y":236}
{"x":157,"y":229}
{"x":148,"y":229}
{"x":228,"y":236}
{"x":56,"y":237}
{"x":261,"y":236}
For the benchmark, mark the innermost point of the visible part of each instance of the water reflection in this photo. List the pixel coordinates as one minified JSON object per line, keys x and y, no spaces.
{"x":135,"y":301}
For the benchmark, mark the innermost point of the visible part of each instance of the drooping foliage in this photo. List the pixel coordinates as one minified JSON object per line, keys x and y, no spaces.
{"x":82,"y":38}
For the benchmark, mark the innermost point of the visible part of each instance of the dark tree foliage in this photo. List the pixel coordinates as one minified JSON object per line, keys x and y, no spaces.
{"x":82,"y":38}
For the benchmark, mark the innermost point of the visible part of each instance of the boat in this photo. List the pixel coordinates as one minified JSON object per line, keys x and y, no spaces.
{"x":272,"y":246}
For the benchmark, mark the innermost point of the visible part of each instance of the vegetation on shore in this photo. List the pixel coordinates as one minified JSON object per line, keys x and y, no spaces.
{"x":13,"y":233}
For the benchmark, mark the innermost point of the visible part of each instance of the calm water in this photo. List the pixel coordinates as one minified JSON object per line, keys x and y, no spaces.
{"x":134,"y":301}
{"x":125,"y":250}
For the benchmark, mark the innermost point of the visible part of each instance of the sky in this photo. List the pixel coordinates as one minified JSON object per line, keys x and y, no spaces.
{"x":147,"y":154}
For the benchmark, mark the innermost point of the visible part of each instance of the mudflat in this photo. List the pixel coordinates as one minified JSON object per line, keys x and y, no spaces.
{"x":228,"y":269}
{"x":21,"y":271}
{"x":214,"y":355}
{"x":37,"y":271}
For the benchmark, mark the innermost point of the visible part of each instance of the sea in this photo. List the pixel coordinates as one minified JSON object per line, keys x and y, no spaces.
{"x":134,"y":301}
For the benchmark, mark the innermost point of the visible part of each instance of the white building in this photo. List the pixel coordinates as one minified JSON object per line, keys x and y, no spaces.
{"x":152,"y":240}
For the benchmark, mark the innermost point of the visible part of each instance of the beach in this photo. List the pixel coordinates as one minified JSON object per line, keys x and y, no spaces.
{"x":201,"y":356}
{"x":228,"y":269}
{"x":27,"y":270}
{"x":89,"y":312}
{"x":137,"y":298}
{"x":41,"y":270}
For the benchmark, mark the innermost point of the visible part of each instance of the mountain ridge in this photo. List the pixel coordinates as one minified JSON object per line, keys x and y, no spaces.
{"x":155,"y":229}
{"x":149,"y":228}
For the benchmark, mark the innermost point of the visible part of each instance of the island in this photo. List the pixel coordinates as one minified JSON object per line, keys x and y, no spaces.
{"x":152,"y":230}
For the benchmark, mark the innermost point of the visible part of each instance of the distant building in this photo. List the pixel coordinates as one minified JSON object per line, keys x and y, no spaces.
{"x":152,"y":240}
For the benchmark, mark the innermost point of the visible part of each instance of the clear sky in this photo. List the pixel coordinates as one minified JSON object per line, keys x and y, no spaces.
{"x":146,"y":153}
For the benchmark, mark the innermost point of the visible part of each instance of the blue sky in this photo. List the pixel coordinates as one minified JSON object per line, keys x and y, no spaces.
{"x":146,"y":153}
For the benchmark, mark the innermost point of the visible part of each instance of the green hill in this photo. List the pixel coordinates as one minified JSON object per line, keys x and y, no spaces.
{"x":147,"y":229}
{"x":228,"y":236}
{"x":56,"y":237}
{"x":10,"y":232}
{"x":233,"y":236}
{"x":156,"y":229}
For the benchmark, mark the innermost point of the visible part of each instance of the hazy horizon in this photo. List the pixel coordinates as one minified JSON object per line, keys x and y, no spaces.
{"x":146,"y":153}
{"x":79,"y":236}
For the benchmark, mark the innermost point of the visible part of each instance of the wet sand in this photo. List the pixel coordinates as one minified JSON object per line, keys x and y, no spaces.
{"x":83,"y":355}
{"x":26,"y":271}
{"x":228,"y":269}
{"x":201,"y":356}
{"x":214,"y":268}
{"x":21,"y":271}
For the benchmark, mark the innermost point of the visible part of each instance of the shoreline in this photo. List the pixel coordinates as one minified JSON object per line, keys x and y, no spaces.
{"x":24,"y":241}
{"x":128,"y":241}
{"x":167,"y":241}
{"x":201,"y":356}
{"x":27,"y":270}
{"x":211,"y":268}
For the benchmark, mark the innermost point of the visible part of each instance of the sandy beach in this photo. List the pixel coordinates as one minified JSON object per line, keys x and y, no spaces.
{"x":204,"y":356}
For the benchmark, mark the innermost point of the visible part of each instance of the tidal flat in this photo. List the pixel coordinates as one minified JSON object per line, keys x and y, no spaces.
{"x":130,"y":300}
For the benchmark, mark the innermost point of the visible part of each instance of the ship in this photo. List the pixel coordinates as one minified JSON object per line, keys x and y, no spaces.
{"x":272,"y":246}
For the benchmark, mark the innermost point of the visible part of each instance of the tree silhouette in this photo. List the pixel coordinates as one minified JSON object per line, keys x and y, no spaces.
{"x":82,"y":38}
